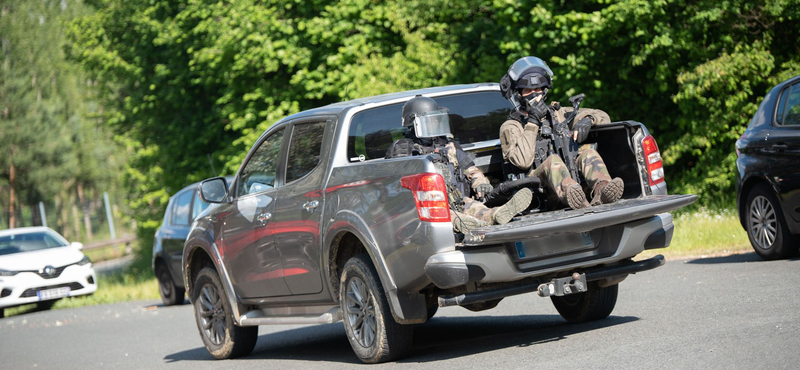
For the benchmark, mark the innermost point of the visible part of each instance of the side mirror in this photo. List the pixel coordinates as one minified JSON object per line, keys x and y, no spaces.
{"x":76,"y":245}
{"x":214,"y":190}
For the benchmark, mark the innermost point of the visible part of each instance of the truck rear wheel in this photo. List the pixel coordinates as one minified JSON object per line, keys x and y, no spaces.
{"x":371,"y":329}
{"x":594,"y":304}
{"x":221,"y":336}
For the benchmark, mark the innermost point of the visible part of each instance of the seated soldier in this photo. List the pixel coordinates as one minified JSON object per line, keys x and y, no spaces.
{"x":428,"y":127}
{"x":526,"y":85}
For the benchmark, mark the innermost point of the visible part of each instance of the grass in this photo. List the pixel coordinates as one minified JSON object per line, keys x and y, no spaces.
{"x":705,"y":233}
{"x":699,"y":233}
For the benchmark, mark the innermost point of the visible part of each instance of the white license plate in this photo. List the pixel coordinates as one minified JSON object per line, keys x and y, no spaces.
{"x":53,"y":293}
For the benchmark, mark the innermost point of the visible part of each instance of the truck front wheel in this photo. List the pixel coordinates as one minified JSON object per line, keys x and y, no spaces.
{"x":594,"y":304}
{"x":221,"y":336}
{"x":371,"y":329}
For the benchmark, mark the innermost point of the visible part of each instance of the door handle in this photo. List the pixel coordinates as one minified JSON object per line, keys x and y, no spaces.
{"x":311,"y":206}
{"x":780,"y":147}
{"x":264,"y":218}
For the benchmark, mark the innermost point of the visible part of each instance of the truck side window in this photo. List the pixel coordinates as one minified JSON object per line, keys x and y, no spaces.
{"x":304,"y":149}
{"x":181,"y":209}
{"x":259,"y":173}
{"x":474,"y":117}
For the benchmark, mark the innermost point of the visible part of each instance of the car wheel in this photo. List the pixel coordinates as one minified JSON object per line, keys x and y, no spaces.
{"x":170,"y":293}
{"x":371,"y":329}
{"x":432,"y":310}
{"x":45,"y":305}
{"x":766,"y":226}
{"x":212,"y":311}
{"x":2,"y":313}
{"x":594,"y":304}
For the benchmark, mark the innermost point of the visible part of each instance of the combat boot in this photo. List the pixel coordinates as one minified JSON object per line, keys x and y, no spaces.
{"x":518,"y":203}
{"x":463,"y":223}
{"x":606,"y":192}
{"x":574,"y":194}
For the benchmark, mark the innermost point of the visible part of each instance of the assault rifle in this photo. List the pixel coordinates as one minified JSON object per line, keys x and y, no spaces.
{"x":558,"y":140}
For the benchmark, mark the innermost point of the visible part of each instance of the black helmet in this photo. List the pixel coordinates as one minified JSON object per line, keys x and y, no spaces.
{"x":533,"y":78}
{"x":525,"y":73}
{"x":417,"y":106}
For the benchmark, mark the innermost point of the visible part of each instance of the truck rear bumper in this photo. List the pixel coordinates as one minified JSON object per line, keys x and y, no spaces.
{"x":508,"y":262}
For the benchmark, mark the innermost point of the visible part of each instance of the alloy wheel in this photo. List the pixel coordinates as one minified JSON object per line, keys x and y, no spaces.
{"x":361,"y":312}
{"x":763,"y":222}
{"x":212,"y":314}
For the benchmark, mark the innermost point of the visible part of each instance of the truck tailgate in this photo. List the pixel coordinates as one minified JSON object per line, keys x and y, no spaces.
{"x":575,"y":221}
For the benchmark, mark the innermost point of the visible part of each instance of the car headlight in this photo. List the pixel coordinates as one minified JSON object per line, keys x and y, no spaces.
{"x":84,"y":261}
{"x":8,"y":273}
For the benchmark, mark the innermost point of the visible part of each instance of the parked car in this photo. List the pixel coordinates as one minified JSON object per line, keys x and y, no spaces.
{"x":768,"y":173}
{"x":317,"y":227}
{"x":182,"y":209}
{"x":37,"y":265}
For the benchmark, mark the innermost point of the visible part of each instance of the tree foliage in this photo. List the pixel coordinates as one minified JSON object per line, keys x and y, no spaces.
{"x":48,"y":138}
{"x":193,"y":83}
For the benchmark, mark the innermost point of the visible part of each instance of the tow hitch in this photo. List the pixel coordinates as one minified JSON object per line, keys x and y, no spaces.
{"x":563,"y":286}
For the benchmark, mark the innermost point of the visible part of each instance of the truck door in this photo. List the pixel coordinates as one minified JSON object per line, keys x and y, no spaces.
{"x":298,"y":210}
{"x":249,"y":247}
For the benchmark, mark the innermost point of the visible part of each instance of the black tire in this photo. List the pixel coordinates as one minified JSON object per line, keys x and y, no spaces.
{"x":594,"y":304}
{"x":170,"y":293}
{"x":2,"y":313}
{"x":46,"y":305}
{"x":221,"y":336}
{"x":766,"y":228}
{"x":371,"y":329}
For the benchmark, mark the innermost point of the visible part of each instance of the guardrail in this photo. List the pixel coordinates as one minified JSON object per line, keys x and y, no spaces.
{"x":127,"y":240}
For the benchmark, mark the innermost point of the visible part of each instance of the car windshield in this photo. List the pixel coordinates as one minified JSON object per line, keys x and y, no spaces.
{"x":27,"y":242}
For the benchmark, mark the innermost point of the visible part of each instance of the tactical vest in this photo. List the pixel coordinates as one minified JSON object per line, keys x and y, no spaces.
{"x":456,"y":182}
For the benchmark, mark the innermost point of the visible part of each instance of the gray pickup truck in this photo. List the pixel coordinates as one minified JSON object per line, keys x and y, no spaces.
{"x":318,"y":227}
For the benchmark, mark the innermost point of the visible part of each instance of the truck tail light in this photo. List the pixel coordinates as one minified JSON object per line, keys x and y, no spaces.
{"x":430,"y":194}
{"x":652,"y":158}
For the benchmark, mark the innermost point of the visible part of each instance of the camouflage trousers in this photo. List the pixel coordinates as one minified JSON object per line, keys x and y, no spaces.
{"x":476,"y":209}
{"x":555,"y":174}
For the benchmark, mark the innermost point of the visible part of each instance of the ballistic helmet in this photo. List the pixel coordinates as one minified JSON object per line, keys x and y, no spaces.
{"x":525,"y":73}
{"x":426,"y":118}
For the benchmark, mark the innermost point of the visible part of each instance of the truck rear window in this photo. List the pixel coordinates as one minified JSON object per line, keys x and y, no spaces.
{"x":474,"y":117}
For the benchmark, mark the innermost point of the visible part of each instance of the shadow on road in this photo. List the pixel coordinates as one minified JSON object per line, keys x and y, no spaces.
{"x":734,"y":258}
{"x":439,"y":339}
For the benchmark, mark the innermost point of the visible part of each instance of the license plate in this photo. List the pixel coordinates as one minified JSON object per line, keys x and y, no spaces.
{"x":53,"y":293}
{"x":553,"y":245}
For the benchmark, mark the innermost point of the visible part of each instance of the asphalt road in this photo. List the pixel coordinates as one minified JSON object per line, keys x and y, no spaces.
{"x":734,"y":312}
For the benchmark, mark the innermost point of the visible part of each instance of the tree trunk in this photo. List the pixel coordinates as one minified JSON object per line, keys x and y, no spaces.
{"x":61,"y":224}
{"x":87,"y":222}
{"x":12,"y":176}
{"x":75,"y":218}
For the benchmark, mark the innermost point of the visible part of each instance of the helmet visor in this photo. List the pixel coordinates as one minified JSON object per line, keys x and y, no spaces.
{"x":432,"y":124}
{"x":523,"y":64}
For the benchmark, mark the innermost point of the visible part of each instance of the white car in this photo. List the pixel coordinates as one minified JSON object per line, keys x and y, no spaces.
{"x":37,"y":265}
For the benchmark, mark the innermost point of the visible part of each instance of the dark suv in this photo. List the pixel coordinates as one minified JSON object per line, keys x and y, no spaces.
{"x":768,"y":173}
{"x":182,"y":209}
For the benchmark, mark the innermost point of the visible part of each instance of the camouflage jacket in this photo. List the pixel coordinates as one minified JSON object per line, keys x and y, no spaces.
{"x":518,"y":139}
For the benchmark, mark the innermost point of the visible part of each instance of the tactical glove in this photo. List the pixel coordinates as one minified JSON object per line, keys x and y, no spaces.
{"x":582,"y":128}
{"x":484,"y":189}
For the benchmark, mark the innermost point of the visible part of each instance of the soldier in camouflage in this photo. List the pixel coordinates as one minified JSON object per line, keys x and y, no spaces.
{"x":428,"y":125}
{"x":526,"y":85}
